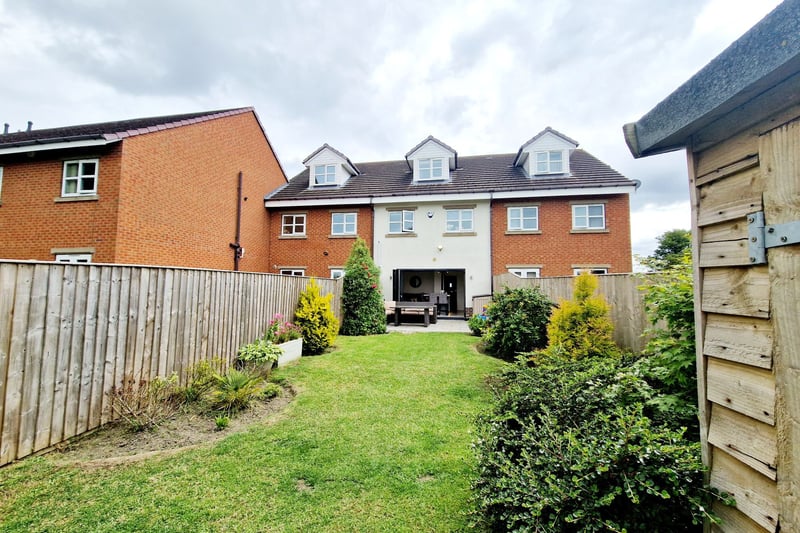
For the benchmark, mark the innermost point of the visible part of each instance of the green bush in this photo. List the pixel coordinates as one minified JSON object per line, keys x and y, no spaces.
{"x":362,"y":302}
{"x":316,"y":320}
{"x":478,"y":324}
{"x":582,"y":327}
{"x":570,"y":446}
{"x":235,"y":389}
{"x":517,"y":321}
{"x":200,"y":379}
{"x":258,"y":356}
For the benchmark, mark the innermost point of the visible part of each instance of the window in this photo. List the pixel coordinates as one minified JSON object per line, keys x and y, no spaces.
{"x":459,"y":220}
{"x":430,"y":169}
{"x":401,"y":221}
{"x":589,"y":216}
{"x":525,"y":272}
{"x":343,"y":223}
{"x":337,"y":273}
{"x":523,"y":218}
{"x":293,"y":272}
{"x":577,"y":271}
{"x":1,"y":184}
{"x":80,"y":178}
{"x":550,"y":162}
{"x":293,"y":225}
{"x":73,"y":258}
{"x":324,"y":174}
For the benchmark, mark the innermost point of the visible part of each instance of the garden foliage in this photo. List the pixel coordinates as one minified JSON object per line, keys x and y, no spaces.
{"x":517,"y":322}
{"x":362,"y":301}
{"x":145,"y":404}
{"x":316,"y":320}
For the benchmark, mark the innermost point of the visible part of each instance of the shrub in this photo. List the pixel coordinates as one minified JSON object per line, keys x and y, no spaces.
{"x":582,"y":327}
{"x":270,"y":390}
{"x":222,"y":422}
{"x":316,"y":320}
{"x":200,"y":379}
{"x":569,"y":446}
{"x":258,"y":356}
{"x":235,"y":389}
{"x":280,"y":331}
{"x":517,"y":321}
{"x":144,"y":405}
{"x":362,"y":302}
{"x":478,"y":324}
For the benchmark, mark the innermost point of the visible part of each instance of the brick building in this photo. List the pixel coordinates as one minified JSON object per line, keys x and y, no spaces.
{"x":156,"y":191}
{"x":442,"y":224}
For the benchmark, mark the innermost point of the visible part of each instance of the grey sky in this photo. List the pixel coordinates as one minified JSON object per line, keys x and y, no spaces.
{"x":373,"y":78}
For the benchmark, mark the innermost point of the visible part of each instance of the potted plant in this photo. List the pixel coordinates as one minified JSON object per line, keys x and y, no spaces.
{"x":287,"y":337}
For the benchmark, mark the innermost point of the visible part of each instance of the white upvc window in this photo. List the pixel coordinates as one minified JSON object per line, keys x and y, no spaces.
{"x":459,"y":220}
{"x":523,"y":218}
{"x":293,"y":225}
{"x":590,"y":270}
{"x":1,"y":184}
{"x":293,"y":272}
{"x":401,"y":221}
{"x":589,"y":216}
{"x":80,"y":177}
{"x":343,"y":223}
{"x":525,"y":272}
{"x":324,"y":174}
{"x":430,"y":169}
{"x":550,"y":162}
{"x":337,"y":273}
{"x":73,"y":258}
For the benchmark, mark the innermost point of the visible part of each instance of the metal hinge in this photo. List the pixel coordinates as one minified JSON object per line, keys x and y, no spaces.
{"x":763,"y":236}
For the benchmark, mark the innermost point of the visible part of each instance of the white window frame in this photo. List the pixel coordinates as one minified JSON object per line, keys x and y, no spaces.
{"x":549,"y":162}
{"x":590,"y":270}
{"x":525,"y":272}
{"x":463,"y":224}
{"x":405,"y":224}
{"x":324,"y":174}
{"x":337,"y":273}
{"x":1,"y":184}
{"x":346,"y":226}
{"x":582,"y":216}
{"x":293,"y":271}
{"x":294,"y":224}
{"x":431,"y":168}
{"x":517,"y":222}
{"x":79,"y":178}
{"x":74,"y":258}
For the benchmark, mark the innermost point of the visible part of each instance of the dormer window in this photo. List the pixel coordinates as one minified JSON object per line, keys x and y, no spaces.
{"x":325,"y":175}
{"x":430,"y":169}
{"x":550,"y":162}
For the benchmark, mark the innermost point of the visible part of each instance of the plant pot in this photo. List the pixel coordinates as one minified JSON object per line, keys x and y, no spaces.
{"x":292,"y":350}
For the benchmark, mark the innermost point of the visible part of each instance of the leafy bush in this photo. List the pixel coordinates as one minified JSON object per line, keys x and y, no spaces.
{"x":316,"y":320}
{"x":270,"y":390}
{"x":200,"y":379}
{"x":280,"y":331}
{"x":570,"y":446}
{"x":222,"y":422}
{"x":478,"y":324}
{"x":517,"y":321}
{"x":144,"y":405}
{"x":582,"y":327}
{"x":362,"y":302}
{"x":258,"y":356}
{"x":235,"y":389}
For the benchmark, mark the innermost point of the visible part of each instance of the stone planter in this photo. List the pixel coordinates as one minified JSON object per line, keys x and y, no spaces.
{"x":292,"y":350}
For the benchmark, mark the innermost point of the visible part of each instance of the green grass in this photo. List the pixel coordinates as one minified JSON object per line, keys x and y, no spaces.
{"x":378,"y":439}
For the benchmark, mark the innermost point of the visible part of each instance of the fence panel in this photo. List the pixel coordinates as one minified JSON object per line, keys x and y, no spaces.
{"x":70,"y":334}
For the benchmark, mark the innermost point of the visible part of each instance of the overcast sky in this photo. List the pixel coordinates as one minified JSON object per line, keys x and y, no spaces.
{"x":374,"y":78}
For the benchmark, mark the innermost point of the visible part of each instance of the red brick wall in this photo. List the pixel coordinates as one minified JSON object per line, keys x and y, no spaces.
{"x":32,"y":222}
{"x":309,"y":252}
{"x":557,"y":248}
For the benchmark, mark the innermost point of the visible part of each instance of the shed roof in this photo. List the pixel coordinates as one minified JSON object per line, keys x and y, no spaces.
{"x":763,"y":64}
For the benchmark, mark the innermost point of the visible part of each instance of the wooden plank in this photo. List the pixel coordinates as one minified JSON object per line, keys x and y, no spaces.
{"x":740,"y":339}
{"x":729,"y":170}
{"x":68,"y":283}
{"x":731,"y":230}
{"x":161,"y":330}
{"x":112,"y":341}
{"x":736,"y":291}
{"x":47,"y":382}
{"x":756,"y":496}
{"x":132,"y":325}
{"x":100,"y":346}
{"x":732,"y":198}
{"x":8,"y":287}
{"x":779,"y":158}
{"x":734,"y":521}
{"x":175,"y":290}
{"x":749,"y":441}
{"x":149,"y":356}
{"x":139,"y":371}
{"x":725,"y":253}
{"x":88,"y":351}
{"x":745,"y":389}
{"x":122,"y":353}
{"x":737,"y":148}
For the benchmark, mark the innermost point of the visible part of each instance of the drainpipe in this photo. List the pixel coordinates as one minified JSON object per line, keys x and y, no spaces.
{"x":491,"y":247}
{"x":237,"y":247}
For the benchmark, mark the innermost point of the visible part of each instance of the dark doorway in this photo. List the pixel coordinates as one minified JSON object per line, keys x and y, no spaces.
{"x":450,"y":286}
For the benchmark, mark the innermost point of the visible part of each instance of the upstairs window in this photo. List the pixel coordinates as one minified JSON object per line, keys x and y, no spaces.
{"x":401,"y":221}
{"x":343,"y":223}
{"x":550,"y":162}
{"x":80,"y":177}
{"x":325,"y":175}
{"x":592,"y":216}
{"x":523,"y":218}
{"x":459,"y":220}
{"x":430,"y":169}
{"x":293,"y":225}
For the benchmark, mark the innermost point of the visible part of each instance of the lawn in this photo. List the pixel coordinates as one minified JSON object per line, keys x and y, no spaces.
{"x":377,"y":439}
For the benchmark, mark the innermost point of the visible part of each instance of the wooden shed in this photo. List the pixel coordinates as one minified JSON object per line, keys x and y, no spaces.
{"x":739,"y":121}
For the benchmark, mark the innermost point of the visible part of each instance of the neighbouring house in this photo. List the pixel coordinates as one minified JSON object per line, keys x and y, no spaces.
{"x":179,"y":190}
{"x":441,"y":225}
{"x":739,"y":121}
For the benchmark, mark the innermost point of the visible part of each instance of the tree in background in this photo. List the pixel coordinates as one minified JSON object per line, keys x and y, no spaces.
{"x":670,"y":250}
{"x":362,"y":301}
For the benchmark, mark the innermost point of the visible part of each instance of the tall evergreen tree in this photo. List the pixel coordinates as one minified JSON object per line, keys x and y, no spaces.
{"x":362,"y":301}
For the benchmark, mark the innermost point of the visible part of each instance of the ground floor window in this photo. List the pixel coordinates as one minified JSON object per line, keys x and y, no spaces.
{"x":337,"y":273}
{"x":293,"y":272}
{"x":73,"y":258}
{"x":525,"y":272}
{"x":590,"y":270}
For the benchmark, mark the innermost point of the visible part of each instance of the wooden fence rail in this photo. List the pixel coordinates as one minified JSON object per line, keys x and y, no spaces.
{"x":620,"y":291}
{"x":71,"y":333}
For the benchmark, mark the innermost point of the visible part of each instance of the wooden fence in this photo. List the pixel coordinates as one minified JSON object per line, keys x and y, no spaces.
{"x":620,"y":291}
{"x":71,"y":333}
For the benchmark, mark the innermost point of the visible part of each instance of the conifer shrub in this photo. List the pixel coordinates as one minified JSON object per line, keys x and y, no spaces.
{"x":316,"y":320}
{"x":362,"y":301}
{"x":517,"y":322}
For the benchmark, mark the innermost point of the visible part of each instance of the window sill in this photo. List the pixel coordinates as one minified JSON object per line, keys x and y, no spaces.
{"x":293,"y":237}
{"x":348,"y":236}
{"x":604,"y":230}
{"x":460,"y":234}
{"x":86,"y":198}
{"x":404,"y":234}
{"x":523,"y":232}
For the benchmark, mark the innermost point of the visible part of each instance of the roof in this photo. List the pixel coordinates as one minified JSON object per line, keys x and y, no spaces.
{"x":756,"y":76}
{"x":434,"y":139}
{"x":548,"y":129}
{"x":335,"y":151}
{"x":475,"y":174}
